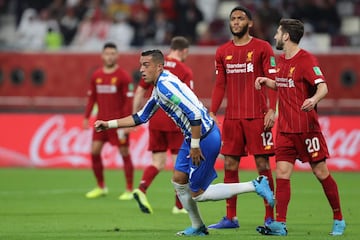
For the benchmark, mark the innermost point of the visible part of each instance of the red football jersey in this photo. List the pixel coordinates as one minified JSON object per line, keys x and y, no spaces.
{"x":160,"y":120}
{"x":113,"y":93}
{"x":296,"y":81}
{"x":237,"y":67}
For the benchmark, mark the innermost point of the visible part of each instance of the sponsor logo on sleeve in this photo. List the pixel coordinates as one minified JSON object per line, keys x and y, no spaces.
{"x":175,"y":99}
{"x":272,"y":61}
{"x":317,"y":71}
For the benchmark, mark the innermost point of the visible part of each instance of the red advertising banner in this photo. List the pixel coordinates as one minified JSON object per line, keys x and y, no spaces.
{"x":58,"y":140}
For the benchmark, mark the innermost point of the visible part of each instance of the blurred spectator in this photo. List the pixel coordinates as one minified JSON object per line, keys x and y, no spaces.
{"x":208,"y":8}
{"x":269,"y":18}
{"x":31,"y":31}
{"x":53,"y":40}
{"x":308,"y":41}
{"x":118,"y":7}
{"x":328,"y":19}
{"x":57,"y":9}
{"x":168,"y":7}
{"x":138,"y":7}
{"x":120,"y":32}
{"x":81,"y":8}
{"x":321,"y":14}
{"x":140,"y":23}
{"x":92,"y":32}
{"x":189,"y":15}
{"x":69,"y":25}
{"x":161,"y":30}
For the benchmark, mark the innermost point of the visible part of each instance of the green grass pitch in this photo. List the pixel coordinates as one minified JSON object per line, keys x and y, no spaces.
{"x":50,"y":204}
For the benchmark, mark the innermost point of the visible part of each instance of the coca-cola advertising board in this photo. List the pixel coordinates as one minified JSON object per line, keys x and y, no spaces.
{"x":58,"y":140}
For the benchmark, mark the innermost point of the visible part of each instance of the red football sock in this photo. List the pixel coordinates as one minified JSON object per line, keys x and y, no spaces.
{"x":177,"y":202}
{"x":231,"y":177}
{"x":282,"y":196}
{"x":331,"y":191}
{"x":269,"y":211}
{"x":98,"y":170}
{"x":129,"y":172}
{"x":148,"y":176}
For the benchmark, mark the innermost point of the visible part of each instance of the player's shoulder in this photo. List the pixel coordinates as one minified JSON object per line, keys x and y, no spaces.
{"x":120,"y":70}
{"x":184,"y":67}
{"x":225,"y":45}
{"x":98,"y":71}
{"x":306,"y":57}
{"x":305,"y":53}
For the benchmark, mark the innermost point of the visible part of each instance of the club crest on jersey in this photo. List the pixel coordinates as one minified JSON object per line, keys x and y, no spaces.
{"x":291,"y":72}
{"x":249,"y":56}
{"x":113,"y":80}
{"x":228,"y":57}
{"x":98,"y":80}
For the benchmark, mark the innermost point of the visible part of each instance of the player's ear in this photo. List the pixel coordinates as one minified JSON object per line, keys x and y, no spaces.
{"x":286,"y":36}
{"x":251,"y":23}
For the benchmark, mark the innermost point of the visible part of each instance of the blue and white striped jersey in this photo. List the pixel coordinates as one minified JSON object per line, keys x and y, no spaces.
{"x":179,"y":102}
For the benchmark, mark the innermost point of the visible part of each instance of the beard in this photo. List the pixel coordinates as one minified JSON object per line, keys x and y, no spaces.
{"x":110,"y":64}
{"x":279,"y":45}
{"x":241,"y":33}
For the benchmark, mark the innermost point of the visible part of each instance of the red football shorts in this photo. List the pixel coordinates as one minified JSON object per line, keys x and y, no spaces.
{"x":115,"y":136}
{"x":307,"y":147}
{"x":243,"y":136}
{"x":161,"y":141}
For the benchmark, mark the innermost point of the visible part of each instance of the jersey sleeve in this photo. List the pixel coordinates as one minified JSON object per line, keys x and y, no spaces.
{"x":219,"y":88}
{"x":180,"y":96}
{"x":188,"y":78}
{"x":91,"y":93}
{"x":269,"y":68}
{"x":146,"y":112}
{"x":312,"y":71}
{"x":128,"y":91}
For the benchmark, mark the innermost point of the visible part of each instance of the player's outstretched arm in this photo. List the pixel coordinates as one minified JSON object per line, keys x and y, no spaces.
{"x":138,"y":101}
{"x":101,"y":125}
{"x":260,"y":81}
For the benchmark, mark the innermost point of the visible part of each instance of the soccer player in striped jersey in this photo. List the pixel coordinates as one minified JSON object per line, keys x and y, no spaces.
{"x":163,"y":133}
{"x":194,"y":167}
{"x":300,"y":85}
{"x":249,"y":114}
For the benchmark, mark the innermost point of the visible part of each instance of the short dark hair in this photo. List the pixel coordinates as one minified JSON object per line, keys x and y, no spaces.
{"x":243,"y":9}
{"x":179,"y":43}
{"x":294,"y":27}
{"x":156,"y":54}
{"x":110,"y":45}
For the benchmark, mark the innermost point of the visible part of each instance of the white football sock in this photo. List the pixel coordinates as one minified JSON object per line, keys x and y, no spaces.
{"x":222,"y":191}
{"x":183,"y":192}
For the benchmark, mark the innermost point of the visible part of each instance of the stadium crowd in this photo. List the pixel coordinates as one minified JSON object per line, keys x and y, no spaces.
{"x":88,"y":24}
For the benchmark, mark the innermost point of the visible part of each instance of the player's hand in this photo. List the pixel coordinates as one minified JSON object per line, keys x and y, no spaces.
{"x":259,"y":81}
{"x":101,"y":125}
{"x":269,"y":119}
{"x":196,"y":156}
{"x":308,"y":105}
{"x":215,"y":118}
